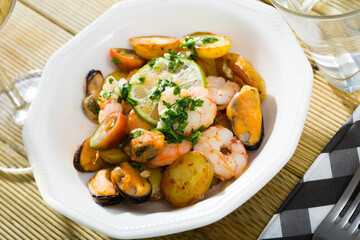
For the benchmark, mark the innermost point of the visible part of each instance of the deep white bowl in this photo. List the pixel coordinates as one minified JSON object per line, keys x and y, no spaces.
{"x":56,"y":124}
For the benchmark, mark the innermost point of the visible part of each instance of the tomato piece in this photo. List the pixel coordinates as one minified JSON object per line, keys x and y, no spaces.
{"x":126,"y":59}
{"x":110,"y":133}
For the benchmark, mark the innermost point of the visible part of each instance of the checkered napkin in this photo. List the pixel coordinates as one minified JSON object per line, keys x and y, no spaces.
{"x":320,"y":188}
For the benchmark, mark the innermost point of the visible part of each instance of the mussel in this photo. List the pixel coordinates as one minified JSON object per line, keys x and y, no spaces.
{"x":93,"y":83}
{"x":90,"y":108}
{"x":131,"y":185}
{"x":92,"y":87}
{"x":87,"y":159}
{"x":102,"y":189}
{"x":244,"y":112}
{"x":144,"y":145}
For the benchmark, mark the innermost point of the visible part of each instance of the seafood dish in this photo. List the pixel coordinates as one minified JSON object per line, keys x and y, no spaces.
{"x":177,"y":117}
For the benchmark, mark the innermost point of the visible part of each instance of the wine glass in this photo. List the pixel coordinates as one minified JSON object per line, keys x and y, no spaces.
{"x":15,"y":97}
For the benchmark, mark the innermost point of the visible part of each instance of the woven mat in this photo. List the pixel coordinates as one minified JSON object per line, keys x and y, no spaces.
{"x":35,"y":30}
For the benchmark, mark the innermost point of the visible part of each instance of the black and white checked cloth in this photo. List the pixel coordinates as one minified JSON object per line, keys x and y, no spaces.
{"x":320,"y":188}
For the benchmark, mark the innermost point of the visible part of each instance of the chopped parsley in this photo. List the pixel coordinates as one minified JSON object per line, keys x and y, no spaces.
{"x":175,"y":60}
{"x":111,"y":80}
{"x":208,"y":39}
{"x":136,"y":165}
{"x":191,"y":42}
{"x":174,"y":120}
{"x":152,"y":62}
{"x":227,"y":62}
{"x":116,"y":61}
{"x":130,"y":137}
{"x":142,"y":79}
{"x":162,"y":84}
{"x":107,"y":95}
{"x":124,"y":95}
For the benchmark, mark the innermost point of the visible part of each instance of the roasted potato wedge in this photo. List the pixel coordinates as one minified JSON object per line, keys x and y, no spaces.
{"x":117,"y":75}
{"x":206,"y":45}
{"x":154,"y":46}
{"x":114,"y":156}
{"x":208,"y":66}
{"x":186,"y":180}
{"x":236,"y":67}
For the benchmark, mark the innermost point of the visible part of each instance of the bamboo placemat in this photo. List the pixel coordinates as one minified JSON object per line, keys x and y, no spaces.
{"x":35,"y":30}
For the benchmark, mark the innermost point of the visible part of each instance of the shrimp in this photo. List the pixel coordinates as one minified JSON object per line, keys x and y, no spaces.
{"x":111,"y":104}
{"x":108,"y":107}
{"x":222,"y":91}
{"x":226,"y":166}
{"x":170,"y":153}
{"x":202,"y":115}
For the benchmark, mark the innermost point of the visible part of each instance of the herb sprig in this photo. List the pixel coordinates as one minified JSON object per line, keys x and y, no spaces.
{"x":174,"y":120}
{"x":191,"y":42}
{"x":162,"y":84}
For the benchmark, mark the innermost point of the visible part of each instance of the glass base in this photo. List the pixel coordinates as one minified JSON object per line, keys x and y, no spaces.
{"x":13,"y":157}
{"x":349,"y":85}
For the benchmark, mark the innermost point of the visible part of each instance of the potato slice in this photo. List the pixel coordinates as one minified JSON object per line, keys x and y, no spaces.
{"x":209,"y":66}
{"x":186,"y":180}
{"x":206,"y":45}
{"x":154,"y":46}
{"x":238,"y":69}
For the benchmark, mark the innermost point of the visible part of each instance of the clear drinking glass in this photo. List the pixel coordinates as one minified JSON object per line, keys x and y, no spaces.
{"x":15,"y":97}
{"x":331,"y":31}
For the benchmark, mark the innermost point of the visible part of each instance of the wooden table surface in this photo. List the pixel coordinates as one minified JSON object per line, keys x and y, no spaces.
{"x":36,"y":29}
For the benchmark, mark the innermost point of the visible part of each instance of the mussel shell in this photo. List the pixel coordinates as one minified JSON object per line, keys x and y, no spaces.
{"x":244,"y":112}
{"x":90,"y":108}
{"x":112,"y":198}
{"x":93,"y":83}
{"x":87,"y":159}
{"x":108,"y":200}
{"x":257,"y":145}
{"x":125,"y":171}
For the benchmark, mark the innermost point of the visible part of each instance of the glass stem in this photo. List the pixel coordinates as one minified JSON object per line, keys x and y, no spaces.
{"x":10,"y":90}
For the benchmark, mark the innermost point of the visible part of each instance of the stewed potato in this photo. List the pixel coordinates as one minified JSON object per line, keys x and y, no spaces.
{"x":154,"y":46}
{"x":186,"y":180}
{"x":206,"y":45}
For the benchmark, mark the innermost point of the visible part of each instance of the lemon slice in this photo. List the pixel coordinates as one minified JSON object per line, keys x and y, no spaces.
{"x":145,"y":81}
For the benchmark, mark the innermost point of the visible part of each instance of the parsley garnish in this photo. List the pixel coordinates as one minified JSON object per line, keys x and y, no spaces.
{"x":130,"y":137}
{"x":227,"y":62}
{"x":111,"y":80}
{"x":152,"y":62}
{"x":116,"y":61}
{"x":209,"y":39}
{"x":124,"y":95}
{"x":175,"y":119}
{"x":136,"y":165}
{"x":191,"y":42}
{"x":107,"y":95}
{"x":162,"y":84}
{"x":142,"y":79}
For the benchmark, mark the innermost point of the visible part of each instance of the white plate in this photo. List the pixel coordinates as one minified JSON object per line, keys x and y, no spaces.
{"x":56,"y":124}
